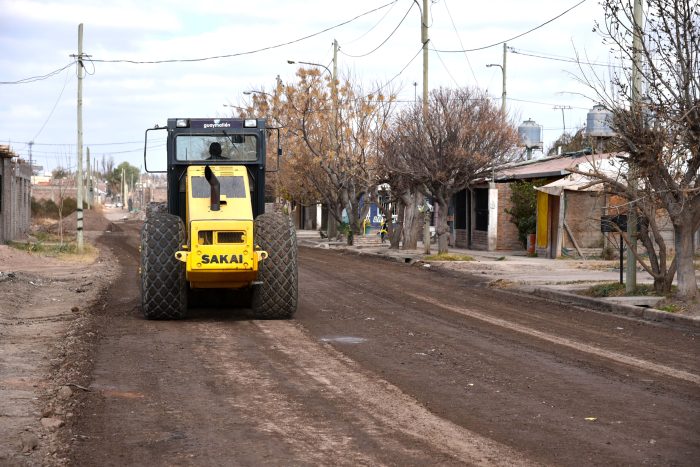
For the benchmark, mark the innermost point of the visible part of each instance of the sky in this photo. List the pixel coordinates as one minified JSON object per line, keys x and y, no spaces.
{"x":378,"y":48}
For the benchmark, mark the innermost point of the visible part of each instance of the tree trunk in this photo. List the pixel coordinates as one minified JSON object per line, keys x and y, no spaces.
{"x":397,"y":229}
{"x":685,"y":251}
{"x":335,"y":216}
{"x":410,"y":226}
{"x":442,"y":229}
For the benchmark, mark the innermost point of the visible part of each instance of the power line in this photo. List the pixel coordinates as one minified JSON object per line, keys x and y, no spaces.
{"x":375,"y":25}
{"x":33,"y":79}
{"x":444,"y":65}
{"x":53,"y":108}
{"x":515,"y":37}
{"x":380,"y":88}
{"x":91,"y":145}
{"x":449,"y":14}
{"x":396,"y":75}
{"x":543,"y":103}
{"x":385,"y":40}
{"x":249,"y":52}
{"x":560,"y":58}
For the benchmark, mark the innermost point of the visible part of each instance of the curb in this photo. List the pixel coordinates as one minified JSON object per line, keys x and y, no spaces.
{"x":647,"y":314}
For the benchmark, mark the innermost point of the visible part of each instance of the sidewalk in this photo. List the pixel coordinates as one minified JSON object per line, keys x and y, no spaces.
{"x":557,"y":280}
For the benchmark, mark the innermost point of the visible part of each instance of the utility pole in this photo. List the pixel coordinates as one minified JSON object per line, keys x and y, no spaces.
{"x":503,"y":73}
{"x":31,"y":168}
{"x":631,"y":283}
{"x":123,"y":189}
{"x":88,"y":188}
{"x":503,"y":95}
{"x":332,"y":223}
{"x":424,"y":39}
{"x":79,"y":175}
{"x":562,"y":107}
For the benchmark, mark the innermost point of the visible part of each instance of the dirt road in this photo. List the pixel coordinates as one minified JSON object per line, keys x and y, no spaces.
{"x":384,"y":364}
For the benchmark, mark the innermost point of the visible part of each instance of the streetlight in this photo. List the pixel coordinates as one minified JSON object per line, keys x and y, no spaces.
{"x":253,"y":91}
{"x":503,"y":72}
{"x":332,"y":227}
{"x":239,"y":108}
{"x":292,"y":62}
{"x":503,"y":95}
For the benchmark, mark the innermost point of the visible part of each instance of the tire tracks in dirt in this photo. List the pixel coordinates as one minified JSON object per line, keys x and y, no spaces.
{"x":628,"y":360}
{"x":368,"y":404}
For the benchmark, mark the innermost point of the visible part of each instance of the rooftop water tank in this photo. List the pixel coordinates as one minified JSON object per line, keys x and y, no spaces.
{"x":598,"y":122}
{"x":530,"y":134}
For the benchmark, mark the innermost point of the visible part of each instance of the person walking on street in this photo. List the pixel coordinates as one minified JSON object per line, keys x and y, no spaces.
{"x":383,"y":230}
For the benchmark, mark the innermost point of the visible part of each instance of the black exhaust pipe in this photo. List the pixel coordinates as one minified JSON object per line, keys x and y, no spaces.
{"x":215,"y":198}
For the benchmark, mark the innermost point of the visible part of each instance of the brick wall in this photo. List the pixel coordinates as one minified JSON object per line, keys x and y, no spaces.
{"x":507,"y":233}
{"x":480,"y":240}
{"x":461,"y":239}
{"x":583,"y":211}
{"x":53,"y":192}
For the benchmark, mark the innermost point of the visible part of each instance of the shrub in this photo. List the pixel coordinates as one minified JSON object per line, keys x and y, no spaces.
{"x":524,"y":211}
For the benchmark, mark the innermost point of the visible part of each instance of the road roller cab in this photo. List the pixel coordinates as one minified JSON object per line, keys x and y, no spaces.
{"x":213,"y":232}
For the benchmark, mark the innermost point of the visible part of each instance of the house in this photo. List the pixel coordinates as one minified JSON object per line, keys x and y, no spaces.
{"x":481,"y":221}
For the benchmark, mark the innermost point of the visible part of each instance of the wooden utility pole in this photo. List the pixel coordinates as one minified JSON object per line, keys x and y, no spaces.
{"x":631,"y":283}
{"x":424,"y":39}
{"x":79,"y":175}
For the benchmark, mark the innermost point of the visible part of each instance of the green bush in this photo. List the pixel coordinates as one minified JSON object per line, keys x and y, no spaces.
{"x":524,"y":211}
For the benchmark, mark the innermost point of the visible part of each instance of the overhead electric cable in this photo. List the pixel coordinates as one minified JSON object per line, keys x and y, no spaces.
{"x":380,"y":88}
{"x":561,"y":59}
{"x":396,"y":75}
{"x":449,"y":14}
{"x":515,"y":37}
{"x":53,"y":108}
{"x":93,"y":144}
{"x":444,"y":65}
{"x":249,"y":52}
{"x":373,"y":27}
{"x":385,"y":40}
{"x":544,"y":103}
{"x":38,"y":78}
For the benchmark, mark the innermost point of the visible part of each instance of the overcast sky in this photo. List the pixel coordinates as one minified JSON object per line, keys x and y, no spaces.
{"x":121,"y":100}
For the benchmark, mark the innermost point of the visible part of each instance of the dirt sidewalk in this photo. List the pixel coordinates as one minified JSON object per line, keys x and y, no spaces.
{"x":43,"y":317}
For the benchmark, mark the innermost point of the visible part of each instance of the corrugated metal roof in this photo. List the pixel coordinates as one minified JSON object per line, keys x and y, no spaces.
{"x":547,"y":167}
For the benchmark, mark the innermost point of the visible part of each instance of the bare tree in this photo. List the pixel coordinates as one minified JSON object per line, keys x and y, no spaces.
{"x":404,"y":196}
{"x":61,"y":176}
{"x":331,"y":135}
{"x":462,"y":135}
{"x":661,"y":133}
{"x":647,"y":205}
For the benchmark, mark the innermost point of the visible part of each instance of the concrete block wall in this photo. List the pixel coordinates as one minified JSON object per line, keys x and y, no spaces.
{"x":15,"y":194}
